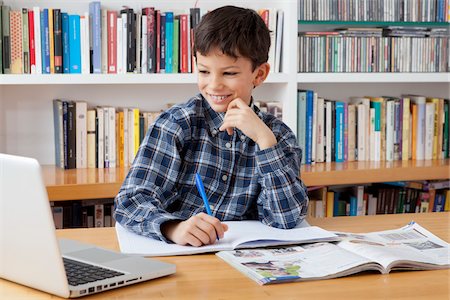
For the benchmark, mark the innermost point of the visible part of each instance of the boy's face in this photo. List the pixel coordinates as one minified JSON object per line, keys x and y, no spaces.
{"x":222,"y":78}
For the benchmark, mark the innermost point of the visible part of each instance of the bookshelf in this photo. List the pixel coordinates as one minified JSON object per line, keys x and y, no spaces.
{"x":26,"y":117}
{"x":79,"y":184}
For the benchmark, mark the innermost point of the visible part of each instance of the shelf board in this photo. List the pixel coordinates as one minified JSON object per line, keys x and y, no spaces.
{"x":79,"y":184}
{"x":369,"y":172}
{"x":57,"y":79}
{"x":374,"y":23}
{"x":372,"y":77}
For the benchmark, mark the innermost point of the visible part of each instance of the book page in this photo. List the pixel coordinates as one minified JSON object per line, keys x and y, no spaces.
{"x":239,"y":232}
{"x":298,"y":263}
{"x":407,"y":247}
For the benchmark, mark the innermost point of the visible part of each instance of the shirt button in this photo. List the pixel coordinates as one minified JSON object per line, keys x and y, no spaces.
{"x":242,"y":137}
{"x":224,"y":177}
{"x":214,"y":132}
{"x":228,"y":145}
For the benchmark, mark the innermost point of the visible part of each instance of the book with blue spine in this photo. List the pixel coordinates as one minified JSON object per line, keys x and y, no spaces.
{"x":65,"y":43}
{"x":339,"y":134}
{"x":301,"y":122}
{"x":45,"y":42}
{"x":169,"y":42}
{"x":74,"y":44}
{"x":309,"y":126}
{"x":96,"y":27}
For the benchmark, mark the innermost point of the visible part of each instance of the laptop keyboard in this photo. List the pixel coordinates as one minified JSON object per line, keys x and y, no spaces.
{"x":81,"y":273}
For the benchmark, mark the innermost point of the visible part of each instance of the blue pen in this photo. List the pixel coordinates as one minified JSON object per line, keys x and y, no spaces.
{"x":201,"y":190}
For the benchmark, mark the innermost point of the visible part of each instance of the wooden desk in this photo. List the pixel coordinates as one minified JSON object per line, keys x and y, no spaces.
{"x":208,"y":277}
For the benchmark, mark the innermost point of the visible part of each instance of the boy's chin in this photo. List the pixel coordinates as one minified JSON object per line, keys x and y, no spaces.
{"x":218,"y":108}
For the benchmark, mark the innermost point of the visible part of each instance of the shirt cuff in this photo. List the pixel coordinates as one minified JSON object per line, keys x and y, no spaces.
{"x":271,"y":159}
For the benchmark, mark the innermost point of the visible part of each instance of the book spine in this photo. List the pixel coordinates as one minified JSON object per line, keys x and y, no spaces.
{"x":65,"y":43}
{"x":32,"y":43}
{"x":6,"y":55}
{"x":57,"y":35}
{"x":169,"y":42}
{"x":96,"y":27}
{"x":90,"y":128}
{"x":162,"y":62}
{"x":71,"y":136}
{"x":339,"y":135}
{"x":112,"y":42}
{"x":37,"y":39}
{"x":45,"y":42}
{"x":51,"y":40}
{"x":58,"y":132}
{"x":16,"y":42}
{"x":74,"y":44}
{"x":25,"y":42}
{"x":81,"y":134}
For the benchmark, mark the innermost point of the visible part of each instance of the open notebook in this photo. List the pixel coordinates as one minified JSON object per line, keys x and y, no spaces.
{"x":240,"y":234}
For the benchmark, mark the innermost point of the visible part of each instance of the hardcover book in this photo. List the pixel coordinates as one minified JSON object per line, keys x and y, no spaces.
{"x":411,"y":247}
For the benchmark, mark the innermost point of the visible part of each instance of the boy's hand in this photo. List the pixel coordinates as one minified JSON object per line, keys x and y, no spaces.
{"x":241,"y":116}
{"x":198,"y":230}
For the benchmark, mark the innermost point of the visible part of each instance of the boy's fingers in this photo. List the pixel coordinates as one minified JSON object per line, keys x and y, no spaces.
{"x":218,"y":228}
{"x":201,"y":234}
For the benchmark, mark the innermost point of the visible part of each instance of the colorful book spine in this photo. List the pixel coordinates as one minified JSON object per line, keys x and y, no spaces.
{"x":25,"y":42}
{"x":32,"y":43}
{"x":339,"y":133}
{"x":51,"y":40}
{"x":309,"y":126}
{"x":16,"y":42}
{"x":45,"y":42}
{"x":74,"y":44}
{"x":169,"y":42}
{"x":57,"y":38}
{"x":65,"y":42}
{"x":95,"y":28}
{"x":112,"y":41}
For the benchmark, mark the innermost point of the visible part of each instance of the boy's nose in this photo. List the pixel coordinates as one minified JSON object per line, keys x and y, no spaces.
{"x":216,"y":82}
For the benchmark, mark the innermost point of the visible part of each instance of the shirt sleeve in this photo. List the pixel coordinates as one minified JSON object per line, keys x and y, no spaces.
{"x":149,"y":187}
{"x":283,"y":201}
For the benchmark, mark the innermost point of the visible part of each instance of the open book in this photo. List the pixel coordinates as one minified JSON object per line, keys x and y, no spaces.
{"x":409,"y":248}
{"x":240,"y":234}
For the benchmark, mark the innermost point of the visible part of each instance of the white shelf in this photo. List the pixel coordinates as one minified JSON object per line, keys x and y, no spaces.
{"x":372,"y":77}
{"x":53,"y":79}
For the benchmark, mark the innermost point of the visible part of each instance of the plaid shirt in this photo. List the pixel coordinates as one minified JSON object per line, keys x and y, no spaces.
{"x":241,"y":181}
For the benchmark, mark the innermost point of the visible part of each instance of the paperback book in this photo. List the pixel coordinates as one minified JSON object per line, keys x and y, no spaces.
{"x":411,"y":247}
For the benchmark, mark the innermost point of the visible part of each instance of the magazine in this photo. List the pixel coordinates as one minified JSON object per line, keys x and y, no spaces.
{"x":240,"y":234}
{"x":409,"y":248}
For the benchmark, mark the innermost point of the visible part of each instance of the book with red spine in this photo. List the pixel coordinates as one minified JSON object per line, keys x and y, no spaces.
{"x":32,"y":42}
{"x":112,"y":41}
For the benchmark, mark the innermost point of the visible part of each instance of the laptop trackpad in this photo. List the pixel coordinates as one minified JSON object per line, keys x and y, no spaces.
{"x":95,"y":255}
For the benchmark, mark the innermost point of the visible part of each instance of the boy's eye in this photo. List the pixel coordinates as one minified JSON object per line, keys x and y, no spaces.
{"x":203,"y":71}
{"x":230,"y":73}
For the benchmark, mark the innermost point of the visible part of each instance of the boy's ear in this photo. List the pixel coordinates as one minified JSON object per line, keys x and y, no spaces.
{"x":261,"y":74}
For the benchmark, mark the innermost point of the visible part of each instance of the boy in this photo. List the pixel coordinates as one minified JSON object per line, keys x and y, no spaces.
{"x":249,"y":161}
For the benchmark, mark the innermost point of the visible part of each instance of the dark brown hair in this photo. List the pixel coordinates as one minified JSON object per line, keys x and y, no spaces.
{"x":236,"y":31}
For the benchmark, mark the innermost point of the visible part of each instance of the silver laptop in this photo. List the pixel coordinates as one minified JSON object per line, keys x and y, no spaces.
{"x":30,"y":253}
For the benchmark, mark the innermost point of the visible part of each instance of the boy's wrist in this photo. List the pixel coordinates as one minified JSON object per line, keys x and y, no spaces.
{"x":267,"y":140}
{"x":167,"y":228}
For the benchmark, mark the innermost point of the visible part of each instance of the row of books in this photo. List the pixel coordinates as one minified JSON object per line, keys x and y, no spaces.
{"x":100,"y":137}
{"x":47,"y":41}
{"x":380,"y":128}
{"x":385,"y":198}
{"x":333,"y":52}
{"x":83,"y":214}
{"x":375,"y":10}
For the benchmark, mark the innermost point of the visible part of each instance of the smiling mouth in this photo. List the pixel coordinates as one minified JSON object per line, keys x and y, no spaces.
{"x":218,"y":98}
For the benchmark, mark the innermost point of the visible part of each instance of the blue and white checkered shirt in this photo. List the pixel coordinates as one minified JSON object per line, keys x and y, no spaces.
{"x":241,"y":181}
